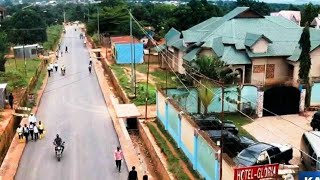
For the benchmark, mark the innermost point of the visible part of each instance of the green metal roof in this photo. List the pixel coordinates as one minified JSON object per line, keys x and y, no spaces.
{"x":159,"y":48}
{"x":192,"y":55}
{"x":179,"y":45}
{"x":233,"y":56}
{"x":251,"y":39}
{"x":295,"y":55}
{"x":236,"y":31}
{"x":172,"y":36}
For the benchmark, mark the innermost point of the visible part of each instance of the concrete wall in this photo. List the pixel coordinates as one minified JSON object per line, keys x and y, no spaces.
{"x":315,"y":63}
{"x":260,"y":47}
{"x":194,"y":144}
{"x":280,"y":71}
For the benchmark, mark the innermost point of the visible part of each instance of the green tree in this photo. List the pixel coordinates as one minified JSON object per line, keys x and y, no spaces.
{"x":26,"y":27}
{"x":3,"y":50}
{"x":260,"y":7}
{"x":211,"y":67}
{"x":305,"y":61}
{"x":205,"y":94}
{"x":309,"y":12}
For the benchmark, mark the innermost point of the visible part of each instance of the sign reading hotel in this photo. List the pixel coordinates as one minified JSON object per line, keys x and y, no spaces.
{"x":256,"y":172}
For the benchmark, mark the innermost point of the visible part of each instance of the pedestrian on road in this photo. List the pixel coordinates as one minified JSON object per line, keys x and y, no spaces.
{"x":41,"y":129}
{"x":56,"y":66}
{"x":133,"y":175}
{"x":36,"y":132}
{"x":51,"y":67}
{"x":59,"y":46}
{"x":31,"y":130}
{"x":20,"y":133}
{"x":11,"y":98}
{"x":66,"y":49}
{"x":90,"y":61}
{"x":61,"y":53}
{"x":32,"y":118}
{"x":118,"y":156}
{"x":89,"y":68}
{"x":49,"y":70}
{"x":26,"y":132}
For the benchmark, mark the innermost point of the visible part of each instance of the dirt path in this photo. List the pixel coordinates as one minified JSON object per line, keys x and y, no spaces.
{"x":141,"y":77}
{"x":175,"y":153}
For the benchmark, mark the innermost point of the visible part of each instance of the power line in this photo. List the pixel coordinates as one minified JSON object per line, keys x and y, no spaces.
{"x":153,"y":41}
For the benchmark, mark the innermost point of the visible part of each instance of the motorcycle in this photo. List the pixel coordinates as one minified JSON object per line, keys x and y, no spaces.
{"x":58,"y":150}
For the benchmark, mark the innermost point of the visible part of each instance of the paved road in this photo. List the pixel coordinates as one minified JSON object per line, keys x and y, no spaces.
{"x":73,"y":106}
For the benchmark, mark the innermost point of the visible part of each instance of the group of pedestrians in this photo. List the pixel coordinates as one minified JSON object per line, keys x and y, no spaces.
{"x":51,"y":67}
{"x":34,"y":130}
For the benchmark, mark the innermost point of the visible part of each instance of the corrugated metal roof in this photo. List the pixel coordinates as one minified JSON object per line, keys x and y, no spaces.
{"x":192,"y":55}
{"x":123,"y":40}
{"x":233,"y":56}
{"x":251,"y":39}
{"x":314,"y":140}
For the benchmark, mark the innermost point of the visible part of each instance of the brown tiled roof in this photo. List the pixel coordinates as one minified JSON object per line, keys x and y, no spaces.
{"x":123,"y":40}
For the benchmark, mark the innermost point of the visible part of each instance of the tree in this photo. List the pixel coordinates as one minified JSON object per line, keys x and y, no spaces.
{"x":305,"y":62}
{"x":309,"y":12}
{"x":3,"y":50}
{"x":26,"y":27}
{"x":205,"y":94}
{"x":260,"y":7}
{"x":211,"y":67}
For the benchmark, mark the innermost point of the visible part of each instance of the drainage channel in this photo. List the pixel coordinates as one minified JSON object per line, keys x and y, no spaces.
{"x":139,"y":146}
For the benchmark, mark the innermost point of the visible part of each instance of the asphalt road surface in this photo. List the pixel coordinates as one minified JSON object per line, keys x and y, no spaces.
{"x":73,"y":106}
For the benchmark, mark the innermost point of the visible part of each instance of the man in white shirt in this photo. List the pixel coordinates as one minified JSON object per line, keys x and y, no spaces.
{"x":32,"y":119}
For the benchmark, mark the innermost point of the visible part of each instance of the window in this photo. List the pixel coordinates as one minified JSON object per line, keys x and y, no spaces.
{"x":258,"y":68}
{"x":33,"y":51}
{"x":270,"y":71}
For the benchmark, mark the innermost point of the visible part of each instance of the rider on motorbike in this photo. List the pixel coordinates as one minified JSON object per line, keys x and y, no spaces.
{"x":58,"y":142}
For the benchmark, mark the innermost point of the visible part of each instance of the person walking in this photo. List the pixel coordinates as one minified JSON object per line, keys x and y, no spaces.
{"x":41,"y":129}
{"x":118,"y":155}
{"x":56,"y":66}
{"x":31,"y":130}
{"x":90,"y":61}
{"x":61,"y":53}
{"x":59,"y":45}
{"x":90,"y":68}
{"x":51,"y":67}
{"x":26,"y":132}
{"x":66,"y":49}
{"x":11,"y":98}
{"x":49,"y":70}
{"x":36,"y":132}
{"x":20,"y":133}
{"x":32,"y":118}
{"x":133,"y":175}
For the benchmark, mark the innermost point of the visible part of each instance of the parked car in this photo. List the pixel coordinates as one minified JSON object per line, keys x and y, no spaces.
{"x":232,"y":144}
{"x":263,"y":153}
{"x":310,"y":145}
{"x":213,"y":123}
{"x":315,"y":122}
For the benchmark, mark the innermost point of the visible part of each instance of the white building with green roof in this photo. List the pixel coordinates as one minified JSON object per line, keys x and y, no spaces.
{"x":264,"y":49}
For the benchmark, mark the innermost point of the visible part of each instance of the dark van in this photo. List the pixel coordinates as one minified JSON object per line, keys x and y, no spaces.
{"x":310,"y":147}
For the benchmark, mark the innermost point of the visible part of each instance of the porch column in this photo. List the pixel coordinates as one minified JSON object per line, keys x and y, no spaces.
{"x":302,"y":100}
{"x":259,"y":108}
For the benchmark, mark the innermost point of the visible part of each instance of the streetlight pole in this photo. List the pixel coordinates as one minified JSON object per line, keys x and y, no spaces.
{"x":98,"y":24}
{"x":222,"y":128}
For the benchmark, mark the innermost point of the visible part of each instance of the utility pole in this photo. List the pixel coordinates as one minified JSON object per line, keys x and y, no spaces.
{"x":98,"y":24}
{"x":222,"y":128}
{"x":132,"y":59}
{"x":24,"y":56}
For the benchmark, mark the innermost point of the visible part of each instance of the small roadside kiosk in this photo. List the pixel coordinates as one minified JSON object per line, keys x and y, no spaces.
{"x":3,"y":95}
{"x":129,"y":113}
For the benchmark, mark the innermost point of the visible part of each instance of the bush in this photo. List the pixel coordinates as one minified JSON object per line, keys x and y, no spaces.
{"x":14,"y":80}
{"x":53,"y":33}
{"x":95,"y":39}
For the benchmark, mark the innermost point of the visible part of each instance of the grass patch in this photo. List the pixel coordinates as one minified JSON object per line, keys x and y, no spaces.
{"x":181,"y":154}
{"x":173,"y":162}
{"x":240,"y":120}
{"x":53,"y":33}
{"x":15,"y":72}
{"x":125,"y":83}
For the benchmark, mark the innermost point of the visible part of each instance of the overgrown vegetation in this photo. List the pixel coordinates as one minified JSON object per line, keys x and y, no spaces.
{"x":181,"y":154}
{"x":125,"y":83}
{"x":173,"y":161}
{"x":15,"y":73}
{"x":53,"y":33}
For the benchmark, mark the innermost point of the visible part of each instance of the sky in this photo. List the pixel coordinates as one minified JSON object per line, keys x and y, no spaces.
{"x":292,"y":1}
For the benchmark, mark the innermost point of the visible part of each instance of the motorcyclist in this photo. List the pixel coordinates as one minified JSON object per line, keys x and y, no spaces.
{"x":58,"y":142}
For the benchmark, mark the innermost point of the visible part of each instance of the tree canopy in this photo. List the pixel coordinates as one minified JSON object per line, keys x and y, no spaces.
{"x":26,"y":27}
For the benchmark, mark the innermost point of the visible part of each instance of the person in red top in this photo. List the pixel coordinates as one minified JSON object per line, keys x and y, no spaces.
{"x":118,"y":156}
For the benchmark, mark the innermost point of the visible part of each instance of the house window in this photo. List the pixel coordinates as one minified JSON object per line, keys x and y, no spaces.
{"x":258,"y":68}
{"x":33,"y":51}
{"x":270,"y":71}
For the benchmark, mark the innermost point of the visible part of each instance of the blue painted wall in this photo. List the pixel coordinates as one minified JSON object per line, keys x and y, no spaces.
{"x":123,"y":53}
{"x":315,"y":94}
{"x":203,"y":155}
